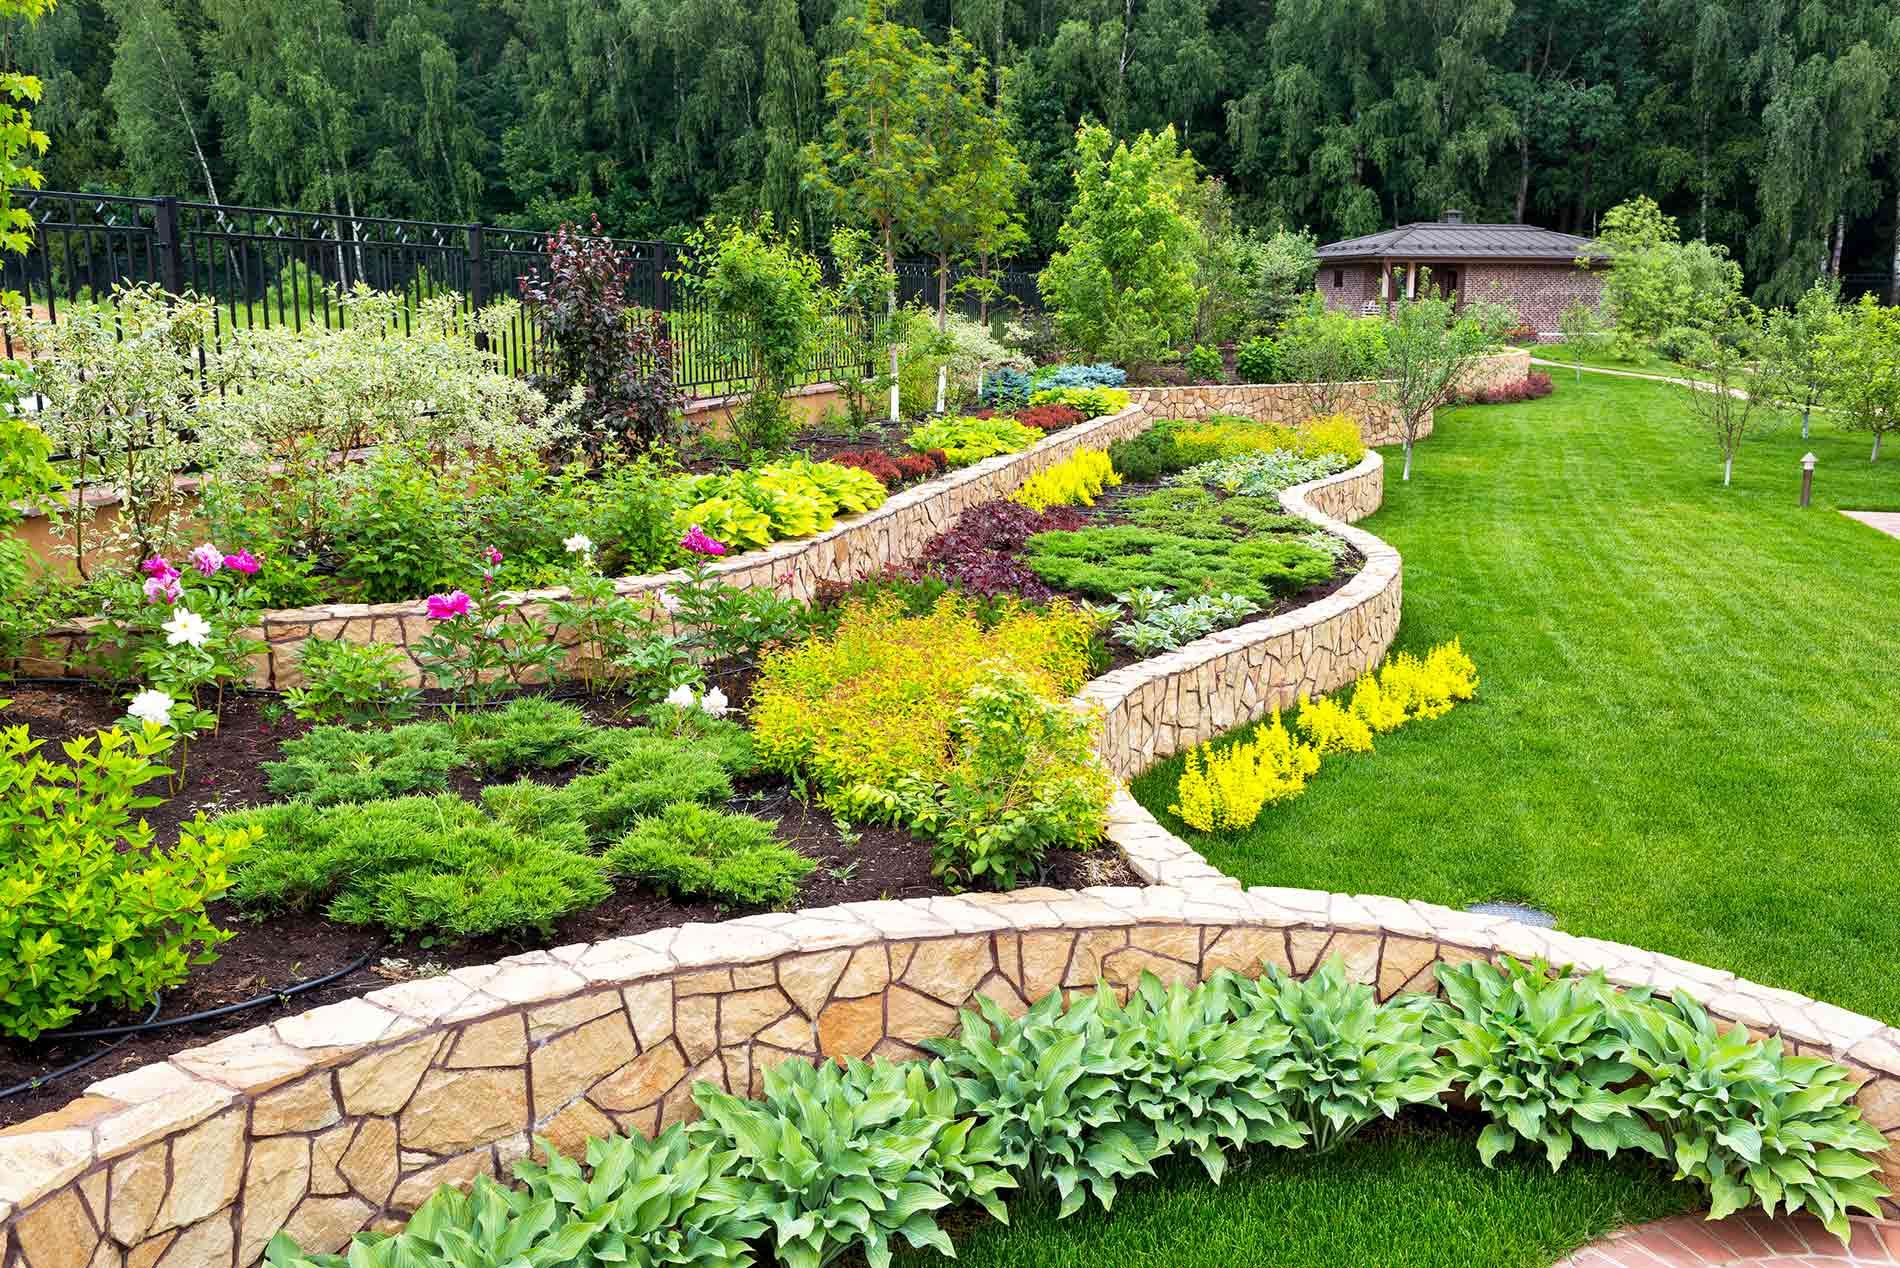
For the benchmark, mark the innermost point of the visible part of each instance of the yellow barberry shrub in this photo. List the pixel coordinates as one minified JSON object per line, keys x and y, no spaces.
{"x":1333,"y":728}
{"x":1448,"y":663}
{"x":1075,"y":481}
{"x":1224,"y":791}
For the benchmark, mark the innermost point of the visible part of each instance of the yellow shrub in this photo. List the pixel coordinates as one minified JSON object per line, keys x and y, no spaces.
{"x":1075,"y":481}
{"x":1224,"y":791}
{"x":1333,"y":433}
{"x":1226,"y":435}
{"x":1408,"y":687}
{"x":1333,"y":728}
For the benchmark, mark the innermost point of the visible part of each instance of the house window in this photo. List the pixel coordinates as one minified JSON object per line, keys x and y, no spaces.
{"x":1339,"y":278}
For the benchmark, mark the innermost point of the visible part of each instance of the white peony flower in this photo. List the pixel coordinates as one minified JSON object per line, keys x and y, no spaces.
{"x":151,"y":706}
{"x":681,"y":697}
{"x":186,"y":626}
{"x":578,"y":544}
{"x":714,"y":703}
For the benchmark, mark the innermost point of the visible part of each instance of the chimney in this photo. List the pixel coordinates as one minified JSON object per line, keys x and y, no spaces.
{"x":1453,"y":216}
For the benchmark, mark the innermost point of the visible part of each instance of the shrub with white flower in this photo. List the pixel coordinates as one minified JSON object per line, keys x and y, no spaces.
{"x":714,"y":703}
{"x":187,"y":627}
{"x":151,"y":707}
{"x":579,"y":544}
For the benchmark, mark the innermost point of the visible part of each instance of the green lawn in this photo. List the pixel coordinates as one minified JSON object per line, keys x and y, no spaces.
{"x":1407,"y":1196}
{"x":1688,"y":732}
{"x":1645,"y":362}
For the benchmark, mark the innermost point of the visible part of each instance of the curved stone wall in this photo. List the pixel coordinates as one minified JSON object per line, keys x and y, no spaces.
{"x":1167,"y":703}
{"x":1286,"y":402}
{"x":857,"y":547}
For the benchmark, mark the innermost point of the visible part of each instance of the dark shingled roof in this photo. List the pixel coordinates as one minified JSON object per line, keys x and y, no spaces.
{"x":1453,"y":240}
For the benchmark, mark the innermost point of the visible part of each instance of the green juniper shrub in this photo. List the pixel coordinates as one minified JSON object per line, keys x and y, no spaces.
{"x":691,"y":851}
{"x":722,"y":739}
{"x":436,"y":866}
{"x":330,"y":765}
{"x":1104,"y":562}
{"x":532,"y":732}
{"x":1198,"y":512}
{"x":649,"y":774}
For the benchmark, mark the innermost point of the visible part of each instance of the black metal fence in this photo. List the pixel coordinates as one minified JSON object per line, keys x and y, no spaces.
{"x":271,"y":268}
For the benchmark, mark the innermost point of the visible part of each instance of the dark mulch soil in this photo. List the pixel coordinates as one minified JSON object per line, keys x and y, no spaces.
{"x":819,"y":445}
{"x":224,"y":773}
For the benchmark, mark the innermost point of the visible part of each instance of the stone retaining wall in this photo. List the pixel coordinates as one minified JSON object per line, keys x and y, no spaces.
{"x":1287,"y":402}
{"x":347,"y":1116}
{"x":1167,"y":703}
{"x":858,"y":546}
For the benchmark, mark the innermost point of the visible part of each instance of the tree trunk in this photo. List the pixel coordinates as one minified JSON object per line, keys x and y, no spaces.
{"x":1728,"y":467}
{"x":1893,"y":274}
{"x":1876,"y":457}
{"x":1407,"y":473}
{"x":1840,"y":241}
{"x":890,"y":313}
{"x":1805,"y":411}
{"x":943,"y":290}
{"x":1523,"y":175}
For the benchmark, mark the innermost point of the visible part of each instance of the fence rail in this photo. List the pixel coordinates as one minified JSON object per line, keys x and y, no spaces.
{"x":271,"y":267}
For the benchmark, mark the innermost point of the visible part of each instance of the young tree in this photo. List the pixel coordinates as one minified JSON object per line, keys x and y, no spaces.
{"x":1430,"y":346}
{"x":1122,"y":286}
{"x":1656,"y":283}
{"x":1583,"y":331}
{"x":875,"y":165}
{"x":1862,"y":354}
{"x":762,"y":294}
{"x":1724,"y":392}
{"x":857,"y":305}
{"x":1794,"y":367}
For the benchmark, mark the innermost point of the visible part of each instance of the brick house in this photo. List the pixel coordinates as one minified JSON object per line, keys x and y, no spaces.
{"x":1530,"y":270}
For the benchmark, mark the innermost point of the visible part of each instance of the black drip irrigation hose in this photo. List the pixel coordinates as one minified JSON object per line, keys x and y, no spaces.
{"x":266,"y":693}
{"x":121,"y":1034}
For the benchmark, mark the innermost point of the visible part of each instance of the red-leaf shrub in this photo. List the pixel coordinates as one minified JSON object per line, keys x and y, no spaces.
{"x":1050,"y":417}
{"x":1532,"y":387}
{"x":888,"y":470}
{"x":978,"y":552}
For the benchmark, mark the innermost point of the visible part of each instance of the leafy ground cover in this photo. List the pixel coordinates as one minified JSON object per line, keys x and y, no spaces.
{"x":1686,"y":737}
{"x":1411,"y":1194}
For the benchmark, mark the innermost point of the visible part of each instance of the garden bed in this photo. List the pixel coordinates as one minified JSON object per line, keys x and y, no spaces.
{"x":276,"y":953}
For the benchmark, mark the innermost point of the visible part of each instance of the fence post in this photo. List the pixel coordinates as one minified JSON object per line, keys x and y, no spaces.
{"x":477,"y":281}
{"x":171,"y":259}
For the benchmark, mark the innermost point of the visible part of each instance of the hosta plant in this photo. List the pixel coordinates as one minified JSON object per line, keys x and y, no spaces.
{"x":1544,"y":1056}
{"x":1053,"y":1081}
{"x":487,"y":1227}
{"x":1348,"y":1059}
{"x":840,"y":1158}
{"x":1201,"y":1078}
{"x":647,"y":1202}
{"x":1754,"y":1123}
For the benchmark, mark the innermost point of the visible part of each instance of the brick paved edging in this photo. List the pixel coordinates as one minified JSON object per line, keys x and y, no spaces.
{"x":1754,"y":1241}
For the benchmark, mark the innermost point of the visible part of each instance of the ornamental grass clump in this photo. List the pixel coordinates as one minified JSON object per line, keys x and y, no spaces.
{"x":1223,"y":790}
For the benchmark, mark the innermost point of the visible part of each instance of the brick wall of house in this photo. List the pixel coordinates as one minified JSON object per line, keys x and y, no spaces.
{"x":1347,"y":287}
{"x":1538,"y":293}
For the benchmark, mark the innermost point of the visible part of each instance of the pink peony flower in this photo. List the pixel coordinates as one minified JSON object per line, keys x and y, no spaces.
{"x":207,"y":559}
{"x":162,"y":587}
{"x":700,"y":544}
{"x":492,"y":555}
{"x":244,"y":561}
{"x":157,"y":567}
{"x":446,"y":607}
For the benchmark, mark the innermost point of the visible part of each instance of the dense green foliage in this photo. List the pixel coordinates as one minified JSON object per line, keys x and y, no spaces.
{"x":1105,"y":562}
{"x":1695,"y":854}
{"x":1084,"y":1090}
{"x":1763,"y":127}
{"x":691,"y":851}
{"x":330,"y":765}
{"x":92,"y":910}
